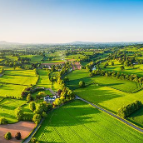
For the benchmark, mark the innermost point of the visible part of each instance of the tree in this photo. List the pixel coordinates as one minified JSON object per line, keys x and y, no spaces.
{"x":32,"y":106}
{"x":112,"y":63}
{"x":8,"y":136}
{"x":57,"y":102}
{"x":36,"y":118}
{"x":29,"y":98}
{"x":81,"y":84}
{"x":3,"y":121}
{"x":122,"y":68}
{"x":44,"y":114}
{"x":19,"y":113}
{"x":18,"y":136}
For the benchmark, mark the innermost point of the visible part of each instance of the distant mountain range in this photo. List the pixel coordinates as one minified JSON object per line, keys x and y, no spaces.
{"x":70,"y":43}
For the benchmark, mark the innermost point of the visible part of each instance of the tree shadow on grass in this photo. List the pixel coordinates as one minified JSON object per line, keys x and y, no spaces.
{"x":96,"y":94}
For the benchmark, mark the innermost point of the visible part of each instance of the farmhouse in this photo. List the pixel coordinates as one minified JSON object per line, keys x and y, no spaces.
{"x":50,"y":99}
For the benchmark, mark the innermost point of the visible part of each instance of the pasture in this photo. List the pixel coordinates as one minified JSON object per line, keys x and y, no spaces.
{"x":108,"y":97}
{"x":128,"y":70}
{"x":7,"y":107}
{"x":34,"y":58}
{"x":43,"y":79}
{"x":11,"y":90}
{"x":79,"y":122}
{"x":123,"y":85}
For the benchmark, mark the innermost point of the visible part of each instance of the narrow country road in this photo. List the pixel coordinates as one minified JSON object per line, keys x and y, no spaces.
{"x":115,"y":116}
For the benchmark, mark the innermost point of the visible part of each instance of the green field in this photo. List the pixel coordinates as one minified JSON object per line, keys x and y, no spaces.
{"x":108,"y":97}
{"x":22,"y":77}
{"x":44,"y":80}
{"x":76,"y":56}
{"x":137,"y":117}
{"x":11,"y":90}
{"x":78,"y":122}
{"x":34,"y":58}
{"x":7,"y":107}
{"x":128,"y":70}
{"x":123,"y":85}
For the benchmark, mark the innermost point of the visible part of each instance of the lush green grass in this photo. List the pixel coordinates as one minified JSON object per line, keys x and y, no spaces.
{"x":22,"y":77}
{"x":76,"y":56}
{"x":11,"y":90}
{"x":84,"y":63}
{"x":137,"y":117}
{"x":128,"y":70}
{"x":108,"y":97}
{"x":15,"y":81}
{"x":123,"y":85}
{"x":76,"y":76}
{"x":59,"y":61}
{"x":7,"y":109}
{"x":47,"y":92}
{"x":27,"y":112}
{"x":34,"y":58}
{"x":79,"y":122}
{"x":44,"y":80}
{"x":13,"y":58}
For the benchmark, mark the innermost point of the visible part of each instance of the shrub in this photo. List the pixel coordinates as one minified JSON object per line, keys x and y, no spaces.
{"x":3,"y":121}
{"x":127,"y":110}
{"x":8,"y":136}
{"x":36,"y":118}
{"x":18,"y":136}
{"x":32,"y":106}
{"x":81,"y":84}
{"x":19,"y":113}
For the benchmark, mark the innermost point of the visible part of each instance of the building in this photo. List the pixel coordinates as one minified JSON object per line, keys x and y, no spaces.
{"x":50,"y":99}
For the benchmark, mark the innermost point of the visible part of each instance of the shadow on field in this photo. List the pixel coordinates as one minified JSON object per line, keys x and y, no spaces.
{"x":97,"y":94}
{"x":77,"y":114}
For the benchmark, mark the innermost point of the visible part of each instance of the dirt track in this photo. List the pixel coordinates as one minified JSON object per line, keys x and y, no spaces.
{"x":23,"y":127}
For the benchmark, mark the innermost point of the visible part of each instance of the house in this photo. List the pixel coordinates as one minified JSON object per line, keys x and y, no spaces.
{"x":50,"y":99}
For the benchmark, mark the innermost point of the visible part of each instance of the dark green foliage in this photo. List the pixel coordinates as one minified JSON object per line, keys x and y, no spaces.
{"x":32,"y":106}
{"x":8,"y":136}
{"x":127,"y":110}
{"x":19,"y":113}
{"x":81,"y":84}
{"x":3,"y":121}
{"x":18,"y":136}
{"x":36,"y":118}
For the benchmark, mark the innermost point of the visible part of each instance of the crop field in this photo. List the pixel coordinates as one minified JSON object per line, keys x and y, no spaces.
{"x":79,"y":122}
{"x":7,"y":107}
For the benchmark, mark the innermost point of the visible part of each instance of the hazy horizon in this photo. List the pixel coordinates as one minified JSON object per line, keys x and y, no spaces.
{"x":65,"y":21}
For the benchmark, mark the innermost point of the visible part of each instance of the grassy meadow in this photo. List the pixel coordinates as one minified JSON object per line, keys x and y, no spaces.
{"x":7,"y":107}
{"x":79,"y":122}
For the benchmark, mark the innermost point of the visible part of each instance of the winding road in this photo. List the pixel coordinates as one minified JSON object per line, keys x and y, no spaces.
{"x":108,"y":112}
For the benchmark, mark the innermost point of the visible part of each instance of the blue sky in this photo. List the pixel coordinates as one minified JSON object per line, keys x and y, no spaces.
{"x":60,"y":21}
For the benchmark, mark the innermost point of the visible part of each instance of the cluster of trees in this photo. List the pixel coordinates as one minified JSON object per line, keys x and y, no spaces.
{"x":8,"y":136}
{"x":127,"y":110}
{"x":39,"y":110}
